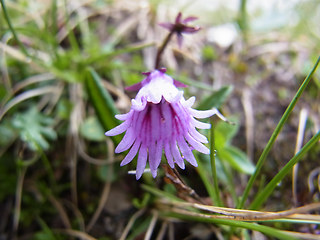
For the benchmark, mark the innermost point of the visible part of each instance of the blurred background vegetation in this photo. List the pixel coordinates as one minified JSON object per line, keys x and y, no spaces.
{"x":64,"y":66}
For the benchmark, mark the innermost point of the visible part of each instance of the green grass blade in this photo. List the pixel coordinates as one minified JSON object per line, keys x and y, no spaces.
{"x":6,"y":15}
{"x":275,"y":134}
{"x":264,"y":194}
{"x":102,"y":102}
{"x":243,"y":19}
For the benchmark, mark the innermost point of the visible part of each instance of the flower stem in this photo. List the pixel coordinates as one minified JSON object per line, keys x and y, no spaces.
{"x":162,"y":47}
{"x":217,"y":198}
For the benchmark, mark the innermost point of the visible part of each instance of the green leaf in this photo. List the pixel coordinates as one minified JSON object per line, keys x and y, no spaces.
{"x":34,"y":128}
{"x":224,"y":132}
{"x":236,"y":158}
{"x":216,"y":99}
{"x":92,"y":130}
{"x":102,"y":102}
{"x":206,"y":165}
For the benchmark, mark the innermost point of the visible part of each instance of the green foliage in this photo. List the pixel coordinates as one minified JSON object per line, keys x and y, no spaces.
{"x":224,"y":132}
{"x":34,"y":128}
{"x":236,"y":158}
{"x":102,"y":102}
{"x":50,"y":180}
{"x":92,"y":130}
{"x":216,"y":99}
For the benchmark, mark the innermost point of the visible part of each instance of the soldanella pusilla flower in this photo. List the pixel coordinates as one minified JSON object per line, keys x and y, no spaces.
{"x":161,"y":122}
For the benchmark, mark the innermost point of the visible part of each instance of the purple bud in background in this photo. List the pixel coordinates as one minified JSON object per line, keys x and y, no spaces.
{"x":180,"y":26}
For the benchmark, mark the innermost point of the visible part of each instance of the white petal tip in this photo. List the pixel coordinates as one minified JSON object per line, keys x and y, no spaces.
{"x":195,"y":164}
{"x":188,"y":103}
{"x":182,"y":166}
{"x":117,"y":151}
{"x":154,"y":173}
{"x":206,"y":151}
{"x":107,"y":134}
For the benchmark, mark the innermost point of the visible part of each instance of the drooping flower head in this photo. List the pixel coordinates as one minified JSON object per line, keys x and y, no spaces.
{"x":161,"y":120}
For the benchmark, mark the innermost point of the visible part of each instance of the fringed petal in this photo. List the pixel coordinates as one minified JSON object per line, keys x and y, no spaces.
{"x":199,"y":124}
{"x":197,"y":145}
{"x":169,"y":157}
{"x":167,"y":118}
{"x":138,"y":122}
{"x":202,"y":114}
{"x":188,"y":103}
{"x":142,"y":161}
{"x":152,"y":153}
{"x":125,"y":116}
{"x":186,"y":152}
{"x":139,"y":104}
{"x":177,"y":156}
{"x":118,"y":129}
{"x":196,"y":135}
{"x":155,"y":122}
{"x":154,"y":160}
{"x":181,"y":117}
{"x":126,"y":141}
{"x":133,"y":151}
{"x":161,"y":119}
